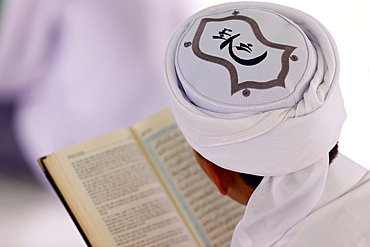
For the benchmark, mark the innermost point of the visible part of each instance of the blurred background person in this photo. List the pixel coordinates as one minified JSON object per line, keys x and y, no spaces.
{"x":77,"y":69}
{"x":71,"y":70}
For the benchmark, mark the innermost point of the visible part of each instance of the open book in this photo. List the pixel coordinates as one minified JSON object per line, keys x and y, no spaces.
{"x":141,"y":187}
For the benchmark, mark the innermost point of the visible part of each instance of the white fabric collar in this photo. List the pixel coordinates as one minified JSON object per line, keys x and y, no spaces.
{"x":343,"y":175}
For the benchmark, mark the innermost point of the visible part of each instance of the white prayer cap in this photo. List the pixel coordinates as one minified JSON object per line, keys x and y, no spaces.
{"x":289,"y":97}
{"x":244,"y":60}
{"x":274,"y":111}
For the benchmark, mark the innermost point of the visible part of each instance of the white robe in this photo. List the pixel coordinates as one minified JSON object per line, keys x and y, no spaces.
{"x":342,"y":216}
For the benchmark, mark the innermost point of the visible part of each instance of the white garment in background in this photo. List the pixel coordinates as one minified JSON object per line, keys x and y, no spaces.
{"x":81,"y":68}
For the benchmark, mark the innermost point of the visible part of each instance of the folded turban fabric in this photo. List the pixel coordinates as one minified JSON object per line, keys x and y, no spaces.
{"x":254,"y":89}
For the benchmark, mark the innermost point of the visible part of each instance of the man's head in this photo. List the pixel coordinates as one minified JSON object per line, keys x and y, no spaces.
{"x":254,"y":89}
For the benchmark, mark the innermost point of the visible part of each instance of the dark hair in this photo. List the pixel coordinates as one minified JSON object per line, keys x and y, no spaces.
{"x":254,"y":180}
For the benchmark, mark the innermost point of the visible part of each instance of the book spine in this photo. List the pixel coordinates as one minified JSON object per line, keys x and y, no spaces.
{"x":57,"y":191}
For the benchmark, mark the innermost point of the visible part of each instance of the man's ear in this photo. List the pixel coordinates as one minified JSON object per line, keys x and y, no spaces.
{"x":221,"y":177}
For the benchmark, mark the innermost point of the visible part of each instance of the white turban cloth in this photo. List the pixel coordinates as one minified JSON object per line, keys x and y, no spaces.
{"x":287,"y":144}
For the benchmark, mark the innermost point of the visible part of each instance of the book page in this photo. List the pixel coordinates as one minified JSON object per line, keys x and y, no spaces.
{"x":213,"y":216}
{"x":121,"y":193}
